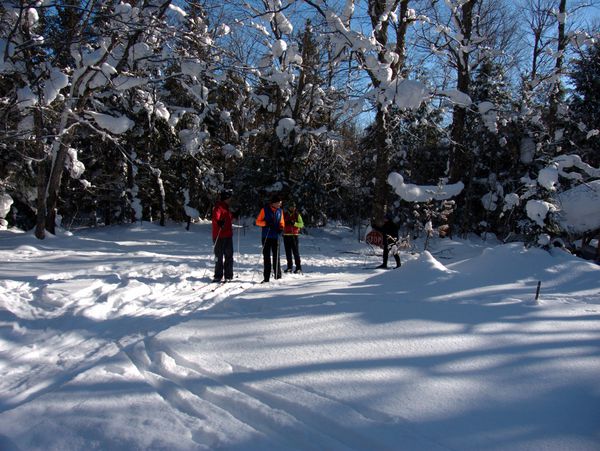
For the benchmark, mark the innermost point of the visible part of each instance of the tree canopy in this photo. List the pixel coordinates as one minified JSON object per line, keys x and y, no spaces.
{"x":124,"y":111}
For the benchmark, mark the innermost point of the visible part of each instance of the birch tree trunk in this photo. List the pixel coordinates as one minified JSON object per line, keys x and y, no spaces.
{"x":40,"y":224}
{"x":460,"y":158}
{"x":378,"y":10}
{"x":557,"y":89}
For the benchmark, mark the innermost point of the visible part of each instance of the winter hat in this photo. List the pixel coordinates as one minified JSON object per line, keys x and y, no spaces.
{"x":226,"y":194}
{"x":291,"y":204}
{"x":275,"y":198}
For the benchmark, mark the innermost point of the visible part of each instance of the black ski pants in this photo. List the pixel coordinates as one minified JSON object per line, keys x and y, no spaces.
{"x":387,"y":243}
{"x":292,"y":249}
{"x":224,"y":258}
{"x":271,"y":249}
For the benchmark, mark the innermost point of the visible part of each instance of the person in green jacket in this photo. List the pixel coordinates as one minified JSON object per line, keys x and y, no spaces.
{"x":293,"y":224}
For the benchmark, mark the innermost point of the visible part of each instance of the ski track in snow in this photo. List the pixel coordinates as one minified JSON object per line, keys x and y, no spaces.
{"x":65,"y":355}
{"x":81,"y":318}
{"x":278,"y":413}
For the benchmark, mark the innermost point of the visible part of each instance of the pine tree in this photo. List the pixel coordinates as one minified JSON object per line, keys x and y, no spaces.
{"x":585,"y":104}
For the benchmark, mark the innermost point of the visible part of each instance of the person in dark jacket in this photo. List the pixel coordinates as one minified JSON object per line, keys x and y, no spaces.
{"x":271,"y":220}
{"x":222,"y":236}
{"x":293,"y":224}
{"x":389,"y":230}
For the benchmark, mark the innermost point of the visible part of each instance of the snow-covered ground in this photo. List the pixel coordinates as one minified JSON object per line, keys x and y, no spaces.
{"x":114,"y":339}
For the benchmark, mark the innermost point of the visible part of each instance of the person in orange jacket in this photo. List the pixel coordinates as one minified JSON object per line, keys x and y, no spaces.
{"x":271,"y":220}
{"x":222,"y":236}
{"x":293,"y":224}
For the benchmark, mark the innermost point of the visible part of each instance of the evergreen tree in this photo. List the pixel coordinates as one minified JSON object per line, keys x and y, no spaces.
{"x":585,"y":104}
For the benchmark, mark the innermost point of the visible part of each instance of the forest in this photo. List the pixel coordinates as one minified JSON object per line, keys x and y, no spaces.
{"x":455,"y":116}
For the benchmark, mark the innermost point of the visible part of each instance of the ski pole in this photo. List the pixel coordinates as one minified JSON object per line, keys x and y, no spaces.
{"x":238,"y":251}
{"x":277,"y":263}
{"x":238,"y":243}
{"x":213,"y":249}
{"x":262,"y":251}
{"x":217,"y":239}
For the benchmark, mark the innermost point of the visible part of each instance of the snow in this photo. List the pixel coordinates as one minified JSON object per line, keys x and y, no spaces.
{"x":283,"y":24}
{"x":5,"y":202}
{"x":32,"y":17}
{"x":409,"y":94}
{"x":528,"y":147}
{"x":548,"y":178}
{"x":113,"y":124}
{"x":580,"y":208}
{"x":191,"y":140}
{"x":488,"y":116}
{"x":229,"y":150}
{"x":537,"y":210}
{"x":423,"y":193}
{"x":161,"y":111}
{"x":284,"y":127}
{"x":457,"y":97}
{"x":178,"y":13}
{"x":592,"y":133}
{"x":193,"y":68}
{"x":26,"y":98}
{"x":75,"y":167}
{"x":279,"y":47}
{"x":511,"y":200}
{"x":223,"y":30}
{"x":57,"y":81}
{"x":113,"y":338}
{"x":140,"y":51}
{"x":489,"y":201}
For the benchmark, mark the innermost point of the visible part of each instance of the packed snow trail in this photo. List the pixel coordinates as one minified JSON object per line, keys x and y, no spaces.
{"x":276,"y":415}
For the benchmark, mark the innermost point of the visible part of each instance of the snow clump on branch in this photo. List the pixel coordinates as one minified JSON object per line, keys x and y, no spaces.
{"x":415,"y":193}
{"x":116,"y":125}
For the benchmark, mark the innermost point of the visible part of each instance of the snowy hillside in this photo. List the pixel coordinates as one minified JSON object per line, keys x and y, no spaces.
{"x":114,"y":339}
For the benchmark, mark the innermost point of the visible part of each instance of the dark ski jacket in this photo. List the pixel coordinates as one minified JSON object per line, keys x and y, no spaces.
{"x":389,"y":230}
{"x":271,"y":220}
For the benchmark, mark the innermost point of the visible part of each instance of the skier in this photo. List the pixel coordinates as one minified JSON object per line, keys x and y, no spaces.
{"x":293,"y":224}
{"x":222,"y":235}
{"x":389,"y":230}
{"x":272,"y":222}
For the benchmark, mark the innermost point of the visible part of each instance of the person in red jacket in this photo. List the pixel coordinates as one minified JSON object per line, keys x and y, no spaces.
{"x":222,"y":235}
{"x":293,"y":224}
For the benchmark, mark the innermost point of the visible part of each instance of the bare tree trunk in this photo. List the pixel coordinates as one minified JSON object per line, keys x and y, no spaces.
{"x":403,"y":24}
{"x":557,"y":90}
{"x":60,"y":148}
{"x":377,"y":8}
{"x":460,"y":156}
{"x":40,"y":221}
{"x":161,"y":192}
{"x":381,"y":191}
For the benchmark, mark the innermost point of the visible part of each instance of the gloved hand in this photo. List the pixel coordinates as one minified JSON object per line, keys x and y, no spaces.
{"x":221,"y":223}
